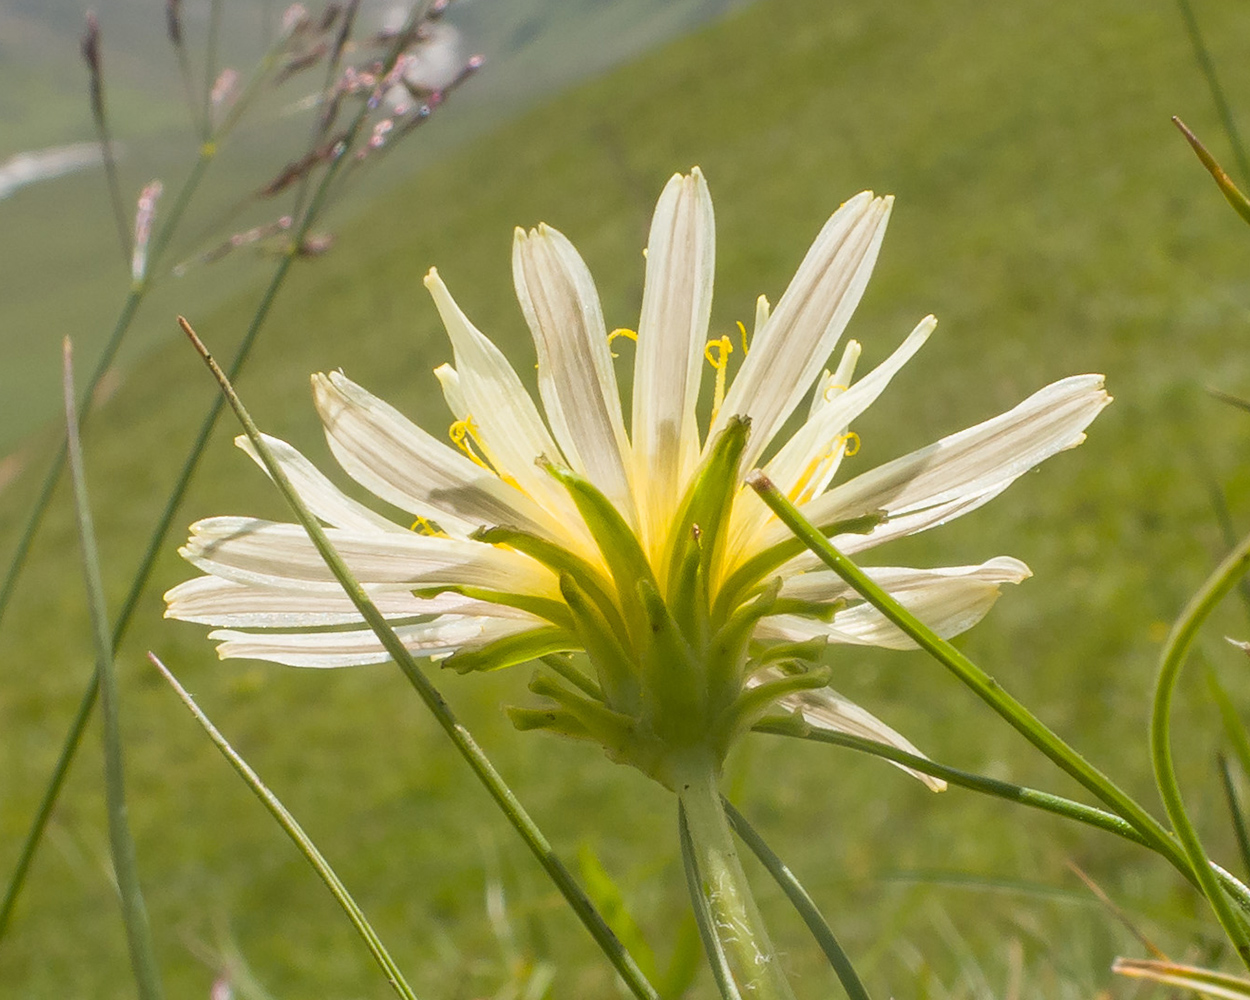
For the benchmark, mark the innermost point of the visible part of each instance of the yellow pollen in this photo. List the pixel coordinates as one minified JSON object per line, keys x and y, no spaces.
{"x":831,"y":391}
{"x":621,"y":332}
{"x":742,"y":329}
{"x":719,"y":361}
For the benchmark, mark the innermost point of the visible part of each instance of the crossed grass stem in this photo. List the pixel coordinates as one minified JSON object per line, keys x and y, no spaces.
{"x":134,"y":298}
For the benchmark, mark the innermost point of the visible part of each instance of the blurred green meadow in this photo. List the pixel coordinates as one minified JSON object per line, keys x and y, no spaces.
{"x":1053,"y":220}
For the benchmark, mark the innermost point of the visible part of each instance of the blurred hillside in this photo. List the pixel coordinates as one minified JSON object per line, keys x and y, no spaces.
{"x":61,"y":271}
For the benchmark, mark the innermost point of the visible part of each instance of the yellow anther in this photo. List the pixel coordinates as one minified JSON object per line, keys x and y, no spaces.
{"x":621,"y":332}
{"x":851,"y":442}
{"x":719,"y":361}
{"x":742,"y":329}
{"x":422,"y":526}
{"x":831,"y":392}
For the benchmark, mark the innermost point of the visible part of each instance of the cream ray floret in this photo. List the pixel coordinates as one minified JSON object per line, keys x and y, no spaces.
{"x":562,"y":531}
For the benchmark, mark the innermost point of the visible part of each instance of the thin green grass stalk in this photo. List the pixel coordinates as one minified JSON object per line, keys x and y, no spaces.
{"x":721,"y":973}
{"x":1236,"y":815}
{"x":73,"y":737}
{"x":1203,"y":57}
{"x":461,"y":738}
{"x":99,"y":114}
{"x":984,"y":686}
{"x":125,"y":864}
{"x":1175,"y":652}
{"x":173,"y":28}
{"x":302,"y":841}
{"x":1234,"y":729}
{"x":210,"y":60}
{"x":801,"y":901}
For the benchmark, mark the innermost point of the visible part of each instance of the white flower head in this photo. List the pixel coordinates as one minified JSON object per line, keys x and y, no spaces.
{"x":565,"y":530}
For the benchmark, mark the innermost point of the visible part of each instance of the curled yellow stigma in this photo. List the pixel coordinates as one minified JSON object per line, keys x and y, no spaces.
{"x":717,"y":353}
{"x":843,"y":446}
{"x":742,"y":331}
{"x":621,"y":332}
{"x":464,"y":435}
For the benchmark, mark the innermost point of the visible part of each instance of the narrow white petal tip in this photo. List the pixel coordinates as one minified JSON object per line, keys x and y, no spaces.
{"x":432,"y":279}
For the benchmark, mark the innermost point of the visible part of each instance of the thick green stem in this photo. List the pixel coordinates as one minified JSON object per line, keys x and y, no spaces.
{"x":736,"y":920}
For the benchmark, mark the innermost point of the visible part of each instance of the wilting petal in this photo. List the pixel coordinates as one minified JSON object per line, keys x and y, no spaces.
{"x":947,"y":604}
{"x":504,"y":417}
{"x":349,"y":649}
{"x":668,"y":363}
{"x":803,"y":330}
{"x":391,"y":456}
{"x":211,"y":600}
{"x":252,"y":551}
{"x":575,"y":375}
{"x":321,"y":496}
{"x":824,"y":708}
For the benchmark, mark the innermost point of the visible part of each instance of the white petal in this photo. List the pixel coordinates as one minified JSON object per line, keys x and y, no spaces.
{"x":810,"y":459}
{"x":964,"y":470}
{"x":672,"y":336}
{"x":575,"y":375}
{"x":394,"y":458}
{"x":824,"y":708}
{"x":803,"y":330}
{"x":211,"y":600}
{"x":348,"y":649}
{"x":826,"y":585}
{"x":264,"y":553}
{"x":322,"y":497}
{"x":506,"y":420}
{"x":948,"y":605}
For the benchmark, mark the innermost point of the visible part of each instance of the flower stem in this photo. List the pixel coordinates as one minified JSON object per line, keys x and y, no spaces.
{"x":735,"y":919}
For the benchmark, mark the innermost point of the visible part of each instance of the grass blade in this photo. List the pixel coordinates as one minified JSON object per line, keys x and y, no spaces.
{"x":1234,"y":728}
{"x":125,"y":866}
{"x":1203,"y":55}
{"x":802,"y":902}
{"x":461,"y":738}
{"x":1205,"y":981}
{"x":1236,"y":814}
{"x":1225,"y":183}
{"x":703,"y":915}
{"x":297,"y":834}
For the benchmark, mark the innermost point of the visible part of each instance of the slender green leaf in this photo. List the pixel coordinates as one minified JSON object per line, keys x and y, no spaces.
{"x":1175,"y":652}
{"x":802,"y":902}
{"x":296,"y":832}
{"x":125,"y":863}
{"x":1236,"y":814}
{"x":607,"y":895}
{"x":1225,"y":183}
